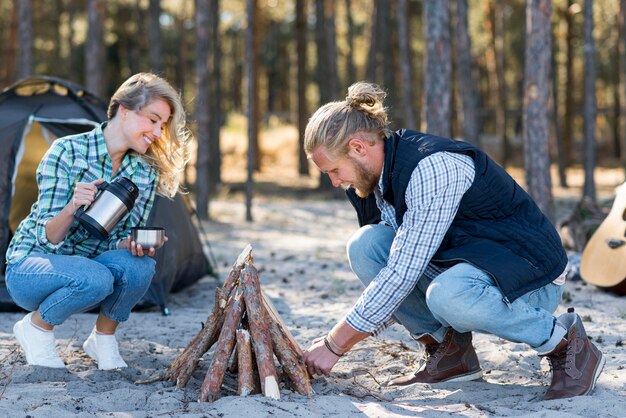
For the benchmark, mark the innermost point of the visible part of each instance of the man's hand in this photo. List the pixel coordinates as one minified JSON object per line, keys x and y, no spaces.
{"x":322,"y":356}
{"x":319,"y":359}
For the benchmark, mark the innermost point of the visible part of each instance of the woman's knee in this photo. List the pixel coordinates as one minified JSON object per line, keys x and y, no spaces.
{"x":139,"y":272}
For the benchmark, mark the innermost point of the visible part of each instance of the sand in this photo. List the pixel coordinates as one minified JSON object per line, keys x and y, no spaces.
{"x":299,"y":249}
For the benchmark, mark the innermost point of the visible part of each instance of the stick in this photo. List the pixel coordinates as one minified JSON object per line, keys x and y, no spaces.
{"x":173,"y":371}
{"x":244,"y":359}
{"x":292,"y":363}
{"x":273,"y":313}
{"x":259,"y":331}
{"x":183,"y":366}
{"x":225,"y":344}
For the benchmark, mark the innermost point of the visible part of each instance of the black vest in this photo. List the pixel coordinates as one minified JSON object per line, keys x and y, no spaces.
{"x":498,"y":228}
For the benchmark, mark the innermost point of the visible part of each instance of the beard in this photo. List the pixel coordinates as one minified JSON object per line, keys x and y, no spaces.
{"x":367,"y":180}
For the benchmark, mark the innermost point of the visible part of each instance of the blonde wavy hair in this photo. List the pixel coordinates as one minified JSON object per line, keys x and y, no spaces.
{"x":170,"y":153}
{"x":332,"y":124}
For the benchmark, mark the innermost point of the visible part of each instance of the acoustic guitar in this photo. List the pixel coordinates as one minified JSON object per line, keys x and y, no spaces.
{"x":603,"y":261}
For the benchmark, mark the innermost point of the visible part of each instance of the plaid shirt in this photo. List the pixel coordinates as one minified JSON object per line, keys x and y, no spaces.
{"x":433,"y":196}
{"x":71,"y":159}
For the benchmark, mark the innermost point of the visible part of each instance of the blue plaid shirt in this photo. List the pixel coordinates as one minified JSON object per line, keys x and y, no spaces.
{"x":71,"y":159}
{"x":433,"y":197}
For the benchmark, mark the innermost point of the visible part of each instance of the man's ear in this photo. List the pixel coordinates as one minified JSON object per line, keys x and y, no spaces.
{"x":358,"y":146}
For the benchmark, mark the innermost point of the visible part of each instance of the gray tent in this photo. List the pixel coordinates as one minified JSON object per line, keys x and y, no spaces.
{"x":34,"y":112}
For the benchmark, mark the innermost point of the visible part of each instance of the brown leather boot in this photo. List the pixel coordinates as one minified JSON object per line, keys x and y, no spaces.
{"x":576,"y":362}
{"x":453,"y":360}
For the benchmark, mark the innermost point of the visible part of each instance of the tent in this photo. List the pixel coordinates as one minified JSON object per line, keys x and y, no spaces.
{"x":34,"y":112}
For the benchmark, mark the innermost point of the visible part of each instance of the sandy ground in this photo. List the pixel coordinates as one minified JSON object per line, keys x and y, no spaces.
{"x":299,"y":250}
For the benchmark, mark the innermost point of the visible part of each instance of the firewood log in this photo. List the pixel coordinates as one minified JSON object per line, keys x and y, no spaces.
{"x":185,"y":363}
{"x":293,"y":364}
{"x":273,"y":313}
{"x":209,"y":337}
{"x":259,"y":331}
{"x":244,"y":360}
{"x":173,"y":371}
{"x":225,"y":344}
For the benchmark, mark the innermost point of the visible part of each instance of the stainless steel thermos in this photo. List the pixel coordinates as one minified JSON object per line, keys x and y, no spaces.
{"x":113,"y":201}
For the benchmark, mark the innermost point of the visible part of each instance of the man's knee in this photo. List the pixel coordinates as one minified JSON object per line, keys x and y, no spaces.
{"x":444,"y":297}
{"x":368,"y":250}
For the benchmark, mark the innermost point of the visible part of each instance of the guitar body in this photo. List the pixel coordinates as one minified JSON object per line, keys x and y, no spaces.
{"x":603,"y":261}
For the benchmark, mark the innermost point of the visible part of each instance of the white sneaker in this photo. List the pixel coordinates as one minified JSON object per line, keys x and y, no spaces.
{"x":104,"y":349}
{"x":38,"y":345}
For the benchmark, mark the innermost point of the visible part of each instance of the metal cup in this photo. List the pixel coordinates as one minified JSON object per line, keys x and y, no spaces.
{"x":148,"y":236}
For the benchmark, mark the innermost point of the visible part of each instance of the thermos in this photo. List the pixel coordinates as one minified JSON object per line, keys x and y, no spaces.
{"x":113,"y":201}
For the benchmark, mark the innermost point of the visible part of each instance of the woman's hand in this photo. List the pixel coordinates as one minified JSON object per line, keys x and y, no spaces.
{"x":319,"y":359}
{"x":84,"y":194}
{"x":137,"y":249}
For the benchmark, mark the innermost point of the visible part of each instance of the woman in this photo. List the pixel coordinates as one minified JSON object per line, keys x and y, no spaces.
{"x":54,"y":267}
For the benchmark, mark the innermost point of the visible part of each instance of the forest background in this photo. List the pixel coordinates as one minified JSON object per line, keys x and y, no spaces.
{"x":540,"y":84}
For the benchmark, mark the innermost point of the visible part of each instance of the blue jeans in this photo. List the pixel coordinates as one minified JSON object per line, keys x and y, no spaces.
{"x":463,"y":297}
{"x":62,"y":285}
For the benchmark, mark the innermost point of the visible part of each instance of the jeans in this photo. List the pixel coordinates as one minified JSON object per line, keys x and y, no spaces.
{"x":462,"y":297}
{"x":62,"y":285}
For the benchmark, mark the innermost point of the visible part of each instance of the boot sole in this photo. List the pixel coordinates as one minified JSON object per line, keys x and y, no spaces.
{"x":458,"y":378}
{"x":465,"y":377}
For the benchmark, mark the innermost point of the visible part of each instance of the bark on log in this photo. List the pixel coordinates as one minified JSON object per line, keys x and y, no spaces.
{"x":261,"y":341}
{"x":244,"y":360}
{"x":173,"y":371}
{"x":273,"y":313}
{"x":225,"y":344}
{"x":183,"y":366}
{"x":209,"y":337}
{"x":293,"y":364}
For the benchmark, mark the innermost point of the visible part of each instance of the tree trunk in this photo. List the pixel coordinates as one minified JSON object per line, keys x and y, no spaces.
{"x":622,"y":62}
{"x":331,"y":42}
{"x":95,"y":63}
{"x":251,"y":75}
{"x":402,"y":13}
{"x":589,"y":105}
{"x":371,"y":70}
{"x":324,"y":64}
{"x":437,"y":74}
{"x":501,"y":106}
{"x":568,"y":117}
{"x":536,"y":104}
{"x":303,"y":115}
{"x":11,"y":47}
{"x":215,"y":94}
{"x":155,"y":48}
{"x":351,"y":68}
{"x":554,"y":112}
{"x":464,"y":76}
{"x":202,"y":116}
{"x":25,"y":33}
{"x":74,"y":59}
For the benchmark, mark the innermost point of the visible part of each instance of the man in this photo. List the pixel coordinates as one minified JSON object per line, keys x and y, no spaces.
{"x":449,"y":244}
